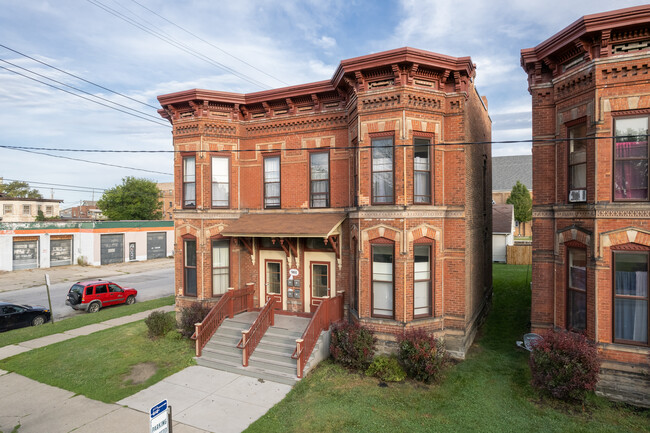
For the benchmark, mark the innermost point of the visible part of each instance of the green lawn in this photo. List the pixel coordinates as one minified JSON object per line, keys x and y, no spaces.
{"x":488,"y":392}
{"x":23,"y":334}
{"x":97,"y":365}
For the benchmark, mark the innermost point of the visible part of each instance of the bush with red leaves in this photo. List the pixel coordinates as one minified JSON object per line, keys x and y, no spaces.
{"x":352,"y":345}
{"x":564,"y":364}
{"x":422,"y":355}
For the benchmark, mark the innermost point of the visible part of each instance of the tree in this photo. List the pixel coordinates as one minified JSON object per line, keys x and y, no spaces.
{"x":134,"y":199}
{"x":523,"y":203}
{"x":19,"y":189}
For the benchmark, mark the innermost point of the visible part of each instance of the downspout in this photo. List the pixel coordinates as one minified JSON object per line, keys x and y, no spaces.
{"x":404,"y":237}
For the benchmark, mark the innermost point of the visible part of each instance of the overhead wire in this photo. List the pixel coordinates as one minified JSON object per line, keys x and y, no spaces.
{"x":465,"y":143}
{"x":78,"y":77}
{"x":83,"y":97}
{"x":156,"y":118}
{"x":30,"y":182}
{"x":208,"y":42}
{"x":91,"y":162}
{"x":171,"y":41}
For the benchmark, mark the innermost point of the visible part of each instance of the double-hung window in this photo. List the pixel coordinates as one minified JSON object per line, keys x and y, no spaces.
{"x":576,"y":302}
{"x":319,"y":172}
{"x":220,"y":266}
{"x":189,"y":181}
{"x":577,"y":163}
{"x":382,"y":281}
{"x":382,"y":171}
{"x":189,"y":266}
{"x":272,"y":182}
{"x":631,"y":297}
{"x":422,"y":280}
{"x":631,"y":159}
{"x":220,"y":181}
{"x":421,"y":171}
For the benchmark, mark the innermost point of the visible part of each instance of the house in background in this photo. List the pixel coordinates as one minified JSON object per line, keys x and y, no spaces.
{"x":26,"y":209}
{"x":591,"y":208}
{"x":506,"y":171}
{"x":87,"y":210}
{"x":503,"y":229}
{"x":167,"y":200}
{"x":359,"y":184}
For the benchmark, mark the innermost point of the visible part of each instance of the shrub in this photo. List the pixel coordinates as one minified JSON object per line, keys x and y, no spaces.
{"x":352,"y":345}
{"x":159,"y":324}
{"x":564,"y":364}
{"x":421,"y":354}
{"x":195,"y":313}
{"x":386,"y":368}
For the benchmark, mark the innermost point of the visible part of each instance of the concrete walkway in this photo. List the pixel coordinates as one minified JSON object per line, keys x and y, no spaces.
{"x":202,"y":399}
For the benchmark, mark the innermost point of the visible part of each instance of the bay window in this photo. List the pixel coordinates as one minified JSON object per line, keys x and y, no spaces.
{"x":189,"y":266}
{"x":382,"y":281}
{"x":577,"y":290}
{"x":577,"y":162}
{"x":631,"y":159}
{"x":421,"y":171}
{"x":220,"y":266}
{"x":382,"y":171}
{"x":631,"y":297}
{"x":422,"y":280}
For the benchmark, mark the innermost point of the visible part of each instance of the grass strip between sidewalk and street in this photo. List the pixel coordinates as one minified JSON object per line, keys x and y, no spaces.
{"x":24,"y":334}
{"x":108,"y":365}
{"x":487,"y":392}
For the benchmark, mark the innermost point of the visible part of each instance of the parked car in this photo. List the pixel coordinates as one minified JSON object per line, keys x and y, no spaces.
{"x":18,"y":316}
{"x":91,"y":296}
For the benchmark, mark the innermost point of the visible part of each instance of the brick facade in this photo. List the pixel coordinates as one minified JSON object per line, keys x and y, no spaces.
{"x":400,"y":96}
{"x":587,"y":78}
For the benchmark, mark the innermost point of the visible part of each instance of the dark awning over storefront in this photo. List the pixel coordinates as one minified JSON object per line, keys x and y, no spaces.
{"x":303,"y":225}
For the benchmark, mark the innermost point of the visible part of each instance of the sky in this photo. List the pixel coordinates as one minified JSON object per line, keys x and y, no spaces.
{"x":128,"y":52}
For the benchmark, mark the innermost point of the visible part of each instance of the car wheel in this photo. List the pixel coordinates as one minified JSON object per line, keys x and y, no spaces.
{"x":130,"y":300}
{"x":93,"y":307}
{"x":38,"y":320}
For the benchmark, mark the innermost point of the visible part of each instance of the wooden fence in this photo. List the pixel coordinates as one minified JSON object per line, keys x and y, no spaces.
{"x":519,"y":254}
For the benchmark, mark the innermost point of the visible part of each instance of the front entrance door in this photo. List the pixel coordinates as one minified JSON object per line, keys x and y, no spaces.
{"x":320,"y":284}
{"x":273,"y":280}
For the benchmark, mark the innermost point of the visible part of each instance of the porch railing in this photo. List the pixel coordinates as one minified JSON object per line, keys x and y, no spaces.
{"x":328,"y":312}
{"x":231,"y":303}
{"x":252,"y":336}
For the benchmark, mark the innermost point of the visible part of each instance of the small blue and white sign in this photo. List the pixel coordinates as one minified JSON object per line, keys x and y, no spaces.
{"x":159,"y":418}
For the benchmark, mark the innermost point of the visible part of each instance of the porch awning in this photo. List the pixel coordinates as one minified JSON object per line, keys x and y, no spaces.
{"x":285,"y":225}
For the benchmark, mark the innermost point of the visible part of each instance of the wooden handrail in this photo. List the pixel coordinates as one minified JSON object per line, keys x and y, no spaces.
{"x":328,"y":312}
{"x":252,"y":336}
{"x":231,"y":303}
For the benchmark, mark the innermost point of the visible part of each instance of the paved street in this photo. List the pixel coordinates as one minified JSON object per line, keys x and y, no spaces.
{"x":153,"y":279}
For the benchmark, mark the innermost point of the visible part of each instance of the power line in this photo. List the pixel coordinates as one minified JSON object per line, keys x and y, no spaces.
{"x":91,"y":162}
{"x":83,"y":97}
{"x":30,"y":182}
{"x":466,"y":143}
{"x":177,"y":44}
{"x":208,"y":42}
{"x":83,"y":91}
{"x":79,"y":78}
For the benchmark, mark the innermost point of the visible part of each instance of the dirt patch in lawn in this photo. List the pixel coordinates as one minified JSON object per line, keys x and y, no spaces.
{"x":140,"y":373}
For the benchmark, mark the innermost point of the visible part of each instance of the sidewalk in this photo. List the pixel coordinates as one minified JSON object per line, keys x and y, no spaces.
{"x":15,"y":280}
{"x":203,"y":400}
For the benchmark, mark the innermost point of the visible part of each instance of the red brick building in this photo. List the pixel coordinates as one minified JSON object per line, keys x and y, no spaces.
{"x":362,"y":184}
{"x":591,"y":244}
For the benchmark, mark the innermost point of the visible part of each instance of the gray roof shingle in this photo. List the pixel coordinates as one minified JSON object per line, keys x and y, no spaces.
{"x":507,"y":170}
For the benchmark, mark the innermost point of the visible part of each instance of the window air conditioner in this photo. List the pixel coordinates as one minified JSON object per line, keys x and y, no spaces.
{"x":577,"y":195}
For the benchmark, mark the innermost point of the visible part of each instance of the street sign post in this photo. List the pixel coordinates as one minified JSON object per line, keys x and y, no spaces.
{"x":49,"y":299}
{"x":160,"y":419}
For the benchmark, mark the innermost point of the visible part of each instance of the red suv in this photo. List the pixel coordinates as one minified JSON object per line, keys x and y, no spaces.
{"x":92,"y":295}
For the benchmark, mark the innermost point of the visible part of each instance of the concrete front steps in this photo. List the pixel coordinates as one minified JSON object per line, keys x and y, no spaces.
{"x":270,"y":361}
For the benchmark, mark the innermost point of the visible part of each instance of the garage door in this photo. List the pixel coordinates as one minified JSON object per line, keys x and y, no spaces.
{"x":112,"y":249}
{"x":25,"y":254}
{"x":156,"y":245}
{"x":60,"y":252}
